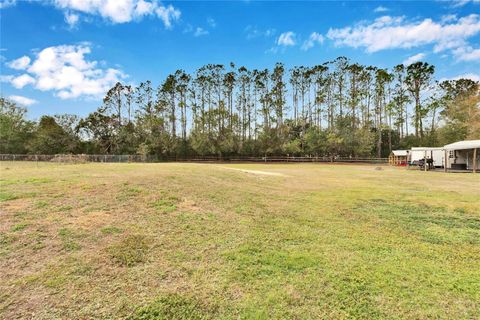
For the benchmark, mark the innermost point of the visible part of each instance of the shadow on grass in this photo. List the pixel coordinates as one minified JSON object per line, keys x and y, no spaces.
{"x":437,"y":225}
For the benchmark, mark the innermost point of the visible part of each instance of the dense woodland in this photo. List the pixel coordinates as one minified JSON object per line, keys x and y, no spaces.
{"x":336,"y":108}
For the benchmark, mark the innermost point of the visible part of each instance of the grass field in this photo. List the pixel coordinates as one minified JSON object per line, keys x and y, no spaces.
{"x":246,"y":241}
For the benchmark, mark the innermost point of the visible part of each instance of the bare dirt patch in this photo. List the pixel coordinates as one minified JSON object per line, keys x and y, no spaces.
{"x":258,"y":172}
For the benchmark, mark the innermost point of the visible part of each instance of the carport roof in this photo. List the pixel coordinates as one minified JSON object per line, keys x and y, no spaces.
{"x":462,"y":145}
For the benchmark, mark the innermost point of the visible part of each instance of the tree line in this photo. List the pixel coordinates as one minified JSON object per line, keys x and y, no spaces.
{"x":338,"y":108}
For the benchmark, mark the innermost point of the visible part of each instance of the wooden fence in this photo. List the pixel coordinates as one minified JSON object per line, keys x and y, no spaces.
{"x":79,"y":158}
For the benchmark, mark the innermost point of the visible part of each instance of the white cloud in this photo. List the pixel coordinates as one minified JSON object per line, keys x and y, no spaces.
{"x":395,"y":32}
{"x":472,"y":76}
{"x":7,"y":3}
{"x":71,"y":19}
{"x":448,"y":18}
{"x":286,"y":39}
{"x":253,"y":32}
{"x":211,"y":22}
{"x":64,"y":70}
{"x":20,"y":63}
{"x":168,"y":15}
{"x":188,"y":28}
{"x":315,"y":38}
{"x":200,"y":32}
{"x":197,"y":31}
{"x":144,"y":8}
{"x":415,"y":58}
{"x":22,"y":80}
{"x":24,"y":101}
{"x":380,"y":9}
{"x":117,"y":11}
{"x":6,"y":78}
{"x":120,"y":11}
{"x":461,"y":3}
{"x":467,"y":54}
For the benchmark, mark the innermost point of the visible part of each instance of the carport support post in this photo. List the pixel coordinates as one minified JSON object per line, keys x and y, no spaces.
{"x":425,"y":161}
{"x":474,"y":160}
{"x":445,"y":160}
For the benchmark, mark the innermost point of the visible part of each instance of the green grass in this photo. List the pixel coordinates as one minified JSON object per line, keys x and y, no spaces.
{"x":41,"y":204}
{"x":5,"y":196}
{"x":202,"y":241}
{"x":130,"y":251}
{"x":110,"y":230}
{"x":19,"y":227}
{"x":175,"y":306}
{"x":69,"y":239}
{"x":165,"y":205}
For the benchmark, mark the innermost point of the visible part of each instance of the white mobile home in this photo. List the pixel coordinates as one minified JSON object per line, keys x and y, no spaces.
{"x":463,"y":155}
{"x":418,"y":153}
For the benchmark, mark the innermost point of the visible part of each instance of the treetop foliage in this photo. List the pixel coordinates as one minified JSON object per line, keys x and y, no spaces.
{"x":336,"y":108}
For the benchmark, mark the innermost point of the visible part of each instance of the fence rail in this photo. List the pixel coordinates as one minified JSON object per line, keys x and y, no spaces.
{"x":79,"y":158}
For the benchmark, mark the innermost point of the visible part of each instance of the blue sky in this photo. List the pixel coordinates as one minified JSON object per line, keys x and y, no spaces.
{"x":60,"y":56}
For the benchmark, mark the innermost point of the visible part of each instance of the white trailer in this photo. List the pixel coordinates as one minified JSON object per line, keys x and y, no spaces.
{"x":418,"y":153}
{"x":463,"y":155}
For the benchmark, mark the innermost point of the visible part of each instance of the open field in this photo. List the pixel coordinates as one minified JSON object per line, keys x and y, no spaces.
{"x":200,"y":241}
